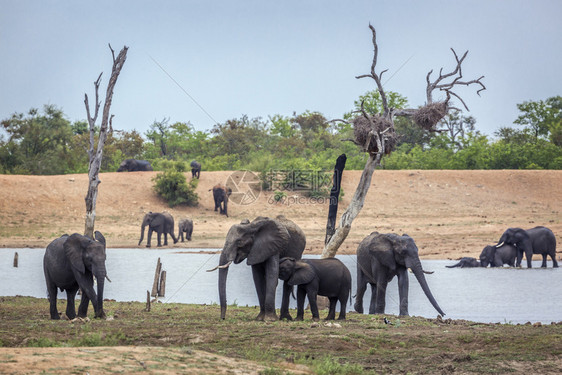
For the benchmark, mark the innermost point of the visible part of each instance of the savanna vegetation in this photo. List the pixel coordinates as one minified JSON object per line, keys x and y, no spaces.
{"x":46,"y":142}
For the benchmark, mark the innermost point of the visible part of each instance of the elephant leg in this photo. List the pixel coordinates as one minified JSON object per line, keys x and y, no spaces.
{"x":86,"y":283}
{"x":301,"y":294}
{"x":287,"y":290}
{"x":373,"y":301}
{"x":271,"y":281}
{"x":332,"y":310}
{"x":181,"y":236}
{"x":361,"y":288}
{"x":343,"y":303}
{"x":174,"y":238}
{"x":165,"y":239}
{"x":70,"y":299}
{"x":148,"y":237}
{"x":259,"y":282}
{"x":52,"y":292}
{"x":529,"y":259}
{"x":380,"y":300}
{"x":403,"y":286}
{"x":553,"y":257}
{"x":83,"y":307}
{"x":312,"y":296}
{"x":543,"y":265}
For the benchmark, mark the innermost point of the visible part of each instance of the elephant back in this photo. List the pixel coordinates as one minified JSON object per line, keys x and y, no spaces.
{"x":297,"y":238}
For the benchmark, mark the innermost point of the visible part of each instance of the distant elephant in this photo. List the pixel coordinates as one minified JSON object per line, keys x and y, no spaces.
{"x":380,"y":257}
{"x":70,"y":263}
{"x":317,"y":277}
{"x":220,"y":195}
{"x":262,"y":242}
{"x":466,"y":262}
{"x":185,"y":226}
{"x":134,"y":165}
{"x":537,"y":240}
{"x":161,"y":223}
{"x":498,"y":256}
{"x":195,"y":169}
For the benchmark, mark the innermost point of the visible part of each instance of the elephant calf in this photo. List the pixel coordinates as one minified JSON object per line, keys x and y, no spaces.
{"x":185,"y":226}
{"x":466,"y":262}
{"x":324,"y":277}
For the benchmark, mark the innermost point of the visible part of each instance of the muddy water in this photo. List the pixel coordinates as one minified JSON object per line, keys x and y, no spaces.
{"x":504,"y":295}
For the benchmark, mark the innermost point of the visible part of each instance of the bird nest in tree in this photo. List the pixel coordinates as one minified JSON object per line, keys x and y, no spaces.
{"x":428,"y":116}
{"x":362,"y":127}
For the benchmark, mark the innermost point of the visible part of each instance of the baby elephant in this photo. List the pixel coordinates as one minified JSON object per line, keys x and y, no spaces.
{"x":324,"y":277}
{"x":466,"y":262}
{"x":185,"y":226}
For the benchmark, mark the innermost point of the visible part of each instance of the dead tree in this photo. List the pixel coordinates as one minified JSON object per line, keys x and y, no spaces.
{"x":95,"y":158}
{"x":375,"y":134}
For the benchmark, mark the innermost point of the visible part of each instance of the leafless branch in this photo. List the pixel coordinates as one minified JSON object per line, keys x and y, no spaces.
{"x":441,"y":84}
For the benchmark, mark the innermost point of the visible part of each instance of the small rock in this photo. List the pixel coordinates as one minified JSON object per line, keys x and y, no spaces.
{"x":315,"y":325}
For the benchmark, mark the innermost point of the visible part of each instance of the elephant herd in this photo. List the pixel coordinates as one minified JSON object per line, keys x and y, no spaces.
{"x":511,"y":246}
{"x":273,"y":248}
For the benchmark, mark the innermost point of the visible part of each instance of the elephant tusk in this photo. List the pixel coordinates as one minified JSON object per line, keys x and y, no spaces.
{"x":107,"y":277}
{"x":220,"y":267}
{"x":500,"y":245}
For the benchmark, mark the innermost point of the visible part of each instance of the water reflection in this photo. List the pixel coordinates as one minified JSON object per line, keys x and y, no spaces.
{"x":483,"y":295}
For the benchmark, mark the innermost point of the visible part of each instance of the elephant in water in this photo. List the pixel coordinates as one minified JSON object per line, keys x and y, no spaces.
{"x":537,"y":240}
{"x":134,"y":165}
{"x":498,"y":256}
{"x":161,"y":223}
{"x":70,"y":263}
{"x":466,"y":262}
{"x":185,"y":226}
{"x":317,"y":277}
{"x":262,"y":242}
{"x":380,"y":257}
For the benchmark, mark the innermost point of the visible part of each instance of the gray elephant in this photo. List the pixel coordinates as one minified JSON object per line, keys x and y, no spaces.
{"x":262,"y":242}
{"x":185,"y":226}
{"x":134,"y":165}
{"x":537,"y":240}
{"x":498,"y":256}
{"x":466,"y":262}
{"x":70,"y":263}
{"x":380,"y":257}
{"x":220,"y":195}
{"x":162,"y":223}
{"x":317,"y":277}
{"x":195,"y":169}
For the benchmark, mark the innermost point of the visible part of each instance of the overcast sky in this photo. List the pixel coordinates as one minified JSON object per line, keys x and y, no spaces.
{"x":262,"y":58}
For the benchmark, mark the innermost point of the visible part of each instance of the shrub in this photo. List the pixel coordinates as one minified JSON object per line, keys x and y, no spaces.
{"x":173,"y":187}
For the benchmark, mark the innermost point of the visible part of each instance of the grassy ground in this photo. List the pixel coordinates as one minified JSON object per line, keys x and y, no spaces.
{"x":362,"y":344}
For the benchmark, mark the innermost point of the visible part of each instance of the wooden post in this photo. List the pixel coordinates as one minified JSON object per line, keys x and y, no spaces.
{"x":16,"y":256}
{"x":147,"y":301}
{"x":334,"y":197}
{"x":156,"y":279}
{"x":162,"y":288}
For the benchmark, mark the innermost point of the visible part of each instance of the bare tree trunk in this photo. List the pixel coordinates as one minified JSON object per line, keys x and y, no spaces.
{"x":334,"y":197}
{"x":96,"y":158}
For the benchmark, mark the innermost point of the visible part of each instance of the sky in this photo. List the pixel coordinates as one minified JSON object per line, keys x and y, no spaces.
{"x":206,"y":61}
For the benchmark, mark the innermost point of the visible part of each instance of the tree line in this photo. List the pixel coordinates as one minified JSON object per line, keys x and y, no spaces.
{"x":46,"y":142}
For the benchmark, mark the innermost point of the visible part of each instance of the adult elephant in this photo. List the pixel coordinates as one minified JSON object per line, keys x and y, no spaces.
{"x":134,"y":165}
{"x":380,"y":257}
{"x":70,"y":263}
{"x":185,"y":226}
{"x":161,"y":223}
{"x":537,"y":240}
{"x":262,"y":242}
{"x":195,"y":169}
{"x":220,"y":195}
{"x":498,"y":256}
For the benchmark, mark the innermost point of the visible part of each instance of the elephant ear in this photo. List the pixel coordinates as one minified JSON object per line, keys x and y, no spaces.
{"x":270,"y":238}
{"x":99,"y":237}
{"x":73,"y":248}
{"x":303,"y":274}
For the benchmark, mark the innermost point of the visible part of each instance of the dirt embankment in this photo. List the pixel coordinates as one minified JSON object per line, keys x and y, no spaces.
{"x":450,"y":214}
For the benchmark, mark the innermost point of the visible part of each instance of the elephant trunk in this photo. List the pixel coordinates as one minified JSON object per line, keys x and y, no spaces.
{"x":223,"y":273}
{"x":418,"y":272}
{"x":142,"y":233}
{"x":100,"y":274}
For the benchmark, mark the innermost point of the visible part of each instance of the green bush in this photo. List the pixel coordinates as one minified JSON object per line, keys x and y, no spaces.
{"x":173,"y":187}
